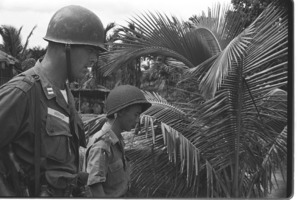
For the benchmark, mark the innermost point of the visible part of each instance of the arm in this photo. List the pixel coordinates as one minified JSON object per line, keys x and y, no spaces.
{"x":13,"y":104}
{"x":97,"y":165}
{"x":97,"y":190}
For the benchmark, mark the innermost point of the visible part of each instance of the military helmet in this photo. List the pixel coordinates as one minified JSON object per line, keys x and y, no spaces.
{"x":76,"y":25}
{"x":124,"y":96}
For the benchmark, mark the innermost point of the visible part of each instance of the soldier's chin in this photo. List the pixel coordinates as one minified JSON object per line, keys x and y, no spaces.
{"x":129,"y":128}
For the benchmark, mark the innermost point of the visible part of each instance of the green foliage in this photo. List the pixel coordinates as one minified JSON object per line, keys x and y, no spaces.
{"x":156,"y":35}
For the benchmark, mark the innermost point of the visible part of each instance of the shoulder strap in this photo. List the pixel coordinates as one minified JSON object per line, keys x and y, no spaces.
{"x":37,"y":135}
{"x":27,"y":82}
{"x":101,"y":139}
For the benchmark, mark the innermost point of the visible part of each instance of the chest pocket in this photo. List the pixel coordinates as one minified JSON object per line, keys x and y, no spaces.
{"x":57,"y":138}
{"x":116,"y":173}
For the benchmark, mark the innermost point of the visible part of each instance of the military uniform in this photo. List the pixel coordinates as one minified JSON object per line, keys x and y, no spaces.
{"x":61,"y":128}
{"x":106,"y":163}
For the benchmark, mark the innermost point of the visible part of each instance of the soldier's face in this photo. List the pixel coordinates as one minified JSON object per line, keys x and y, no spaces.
{"x":83,"y":58}
{"x":129,"y":117}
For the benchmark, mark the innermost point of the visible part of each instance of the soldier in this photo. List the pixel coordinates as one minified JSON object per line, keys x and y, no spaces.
{"x":40,"y":129}
{"x":105,"y":160}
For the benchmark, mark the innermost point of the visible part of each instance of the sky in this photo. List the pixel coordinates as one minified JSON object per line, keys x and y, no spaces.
{"x":28,"y":13}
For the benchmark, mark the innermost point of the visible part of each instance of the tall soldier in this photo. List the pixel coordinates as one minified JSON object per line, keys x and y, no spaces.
{"x":40,"y":130}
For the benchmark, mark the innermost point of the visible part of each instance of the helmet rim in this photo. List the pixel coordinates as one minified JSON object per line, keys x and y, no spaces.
{"x":124,"y":96}
{"x":145,"y":105}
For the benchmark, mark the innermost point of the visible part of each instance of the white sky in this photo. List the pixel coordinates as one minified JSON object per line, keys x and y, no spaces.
{"x":28,"y":13}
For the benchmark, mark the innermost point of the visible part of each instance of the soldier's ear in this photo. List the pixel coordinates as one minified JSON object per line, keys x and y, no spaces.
{"x":115,"y":115}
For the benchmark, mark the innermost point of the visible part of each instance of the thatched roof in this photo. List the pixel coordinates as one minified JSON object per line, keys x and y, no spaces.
{"x":100,"y":92}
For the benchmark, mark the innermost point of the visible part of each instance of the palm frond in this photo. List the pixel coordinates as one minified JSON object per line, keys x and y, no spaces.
{"x":161,"y":160}
{"x":160,"y":35}
{"x":26,"y":43}
{"x":12,"y":41}
{"x":255,"y":45}
{"x":119,"y":58}
{"x":219,"y":69}
{"x":211,"y":40}
{"x":224,"y":24}
{"x":172,"y":121}
{"x":246,"y":114}
{"x":109,"y":27}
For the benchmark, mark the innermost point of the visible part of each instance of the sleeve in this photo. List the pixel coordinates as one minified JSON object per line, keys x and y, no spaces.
{"x":97,"y":164}
{"x":13,"y":105}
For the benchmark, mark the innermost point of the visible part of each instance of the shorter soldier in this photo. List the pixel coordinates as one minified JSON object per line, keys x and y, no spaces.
{"x":105,"y":160}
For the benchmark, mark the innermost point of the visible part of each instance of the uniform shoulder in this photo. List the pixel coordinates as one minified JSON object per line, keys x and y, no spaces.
{"x":103,"y":142}
{"x":22,"y":82}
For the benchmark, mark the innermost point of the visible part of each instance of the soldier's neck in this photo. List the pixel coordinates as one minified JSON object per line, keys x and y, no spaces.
{"x":55,"y":72}
{"x":115,"y":127}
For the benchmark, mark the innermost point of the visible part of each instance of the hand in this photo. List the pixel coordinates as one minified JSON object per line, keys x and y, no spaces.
{"x":82,"y":178}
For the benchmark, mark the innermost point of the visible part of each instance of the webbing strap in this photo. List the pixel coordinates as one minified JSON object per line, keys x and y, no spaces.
{"x":37,"y":139}
{"x":68,"y":60}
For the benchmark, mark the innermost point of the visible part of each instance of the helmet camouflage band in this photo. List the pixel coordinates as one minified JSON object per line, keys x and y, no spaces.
{"x":76,"y":25}
{"x":124,"y":96}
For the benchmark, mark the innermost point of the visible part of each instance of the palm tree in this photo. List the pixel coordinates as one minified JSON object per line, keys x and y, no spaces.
{"x":231,"y":144}
{"x":96,"y":77}
{"x":130,"y":72}
{"x":12,"y":41}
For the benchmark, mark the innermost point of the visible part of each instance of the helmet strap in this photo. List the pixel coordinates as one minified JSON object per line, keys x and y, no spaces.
{"x":68,"y":59}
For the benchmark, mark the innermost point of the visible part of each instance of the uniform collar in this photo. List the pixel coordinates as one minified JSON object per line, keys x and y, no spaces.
{"x":107,"y":129}
{"x":105,"y":132}
{"x":51,"y":90}
{"x":48,"y":87}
